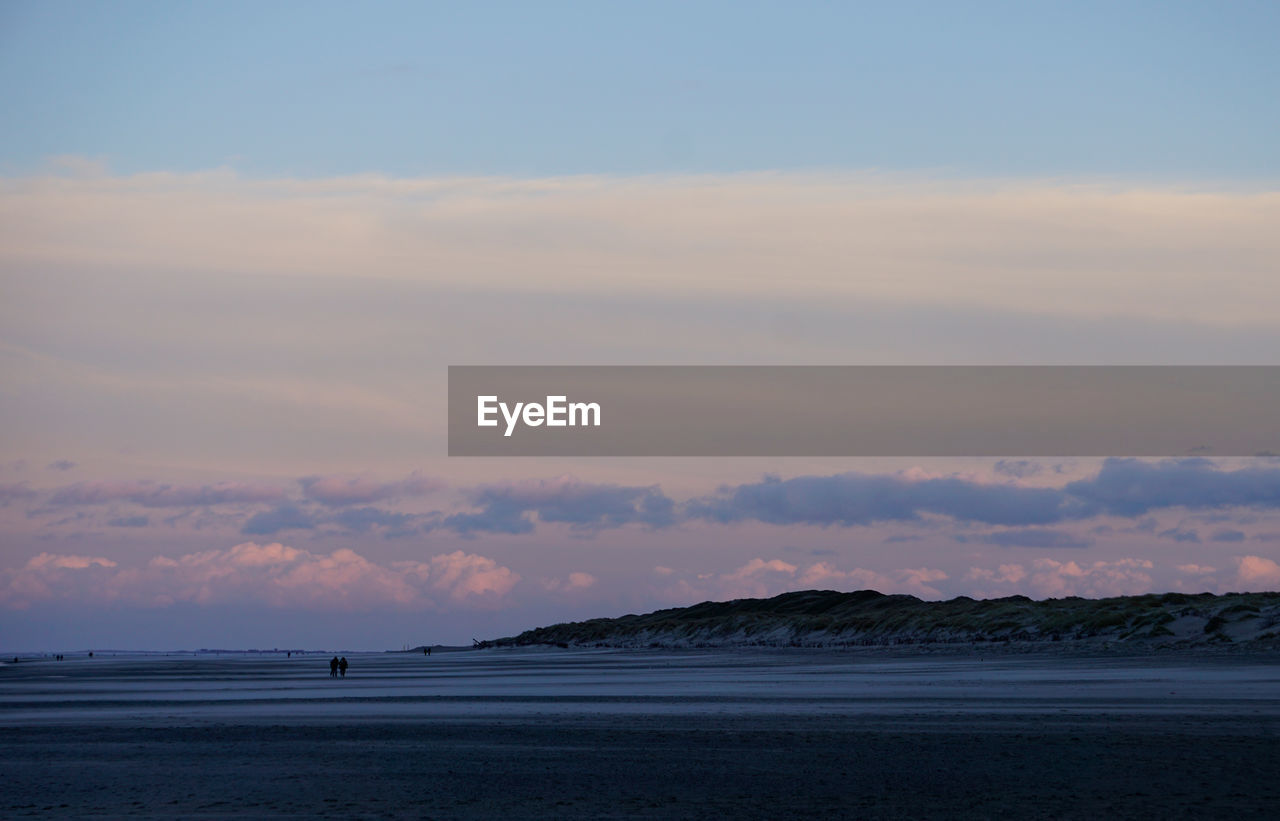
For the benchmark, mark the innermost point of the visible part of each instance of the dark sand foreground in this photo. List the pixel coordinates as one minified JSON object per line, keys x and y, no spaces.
{"x":509,"y":734}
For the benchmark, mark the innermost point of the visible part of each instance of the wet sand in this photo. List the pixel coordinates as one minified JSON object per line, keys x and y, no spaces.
{"x":580,"y":734}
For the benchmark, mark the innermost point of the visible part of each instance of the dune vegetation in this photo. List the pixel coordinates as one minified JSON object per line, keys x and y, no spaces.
{"x":825,"y":618}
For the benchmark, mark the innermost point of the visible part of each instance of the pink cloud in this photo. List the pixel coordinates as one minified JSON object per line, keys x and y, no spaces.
{"x":65,"y":562}
{"x":914,"y":581}
{"x":1005,"y":574}
{"x":921,"y":576}
{"x":824,"y":574}
{"x":462,"y":575}
{"x":251,"y":554}
{"x":757,"y":568}
{"x":1255,"y":573}
{"x":1049,"y":578}
{"x":272,"y":574}
{"x":47,"y":575}
{"x":580,"y":581}
{"x":575,"y":582}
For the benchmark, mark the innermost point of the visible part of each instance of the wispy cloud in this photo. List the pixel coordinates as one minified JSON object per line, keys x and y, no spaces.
{"x":129,"y":521}
{"x":1027,"y":537}
{"x":158,"y":494}
{"x":340,"y":491}
{"x":1028,"y":246}
{"x":16,"y":492}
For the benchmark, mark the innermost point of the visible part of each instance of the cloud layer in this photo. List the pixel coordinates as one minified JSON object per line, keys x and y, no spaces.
{"x":1025,"y":516}
{"x":967,"y":534}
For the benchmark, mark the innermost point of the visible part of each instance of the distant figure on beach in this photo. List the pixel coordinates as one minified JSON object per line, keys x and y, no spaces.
{"x":342,"y":666}
{"x":333,"y":667}
{"x":426,"y":650}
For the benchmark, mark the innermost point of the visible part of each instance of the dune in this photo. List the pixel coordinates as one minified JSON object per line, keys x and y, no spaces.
{"x":825,"y":618}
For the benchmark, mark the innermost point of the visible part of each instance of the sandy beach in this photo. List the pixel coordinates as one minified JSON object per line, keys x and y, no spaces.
{"x":636,"y":734}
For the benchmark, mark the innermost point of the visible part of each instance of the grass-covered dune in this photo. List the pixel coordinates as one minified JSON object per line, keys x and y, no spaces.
{"x":825,"y":618}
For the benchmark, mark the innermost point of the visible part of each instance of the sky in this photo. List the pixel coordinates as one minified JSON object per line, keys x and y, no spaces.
{"x":241,"y":243}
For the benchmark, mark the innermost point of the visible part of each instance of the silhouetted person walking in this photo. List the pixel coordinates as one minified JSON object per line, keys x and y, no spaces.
{"x":342,"y":666}
{"x":333,"y":667}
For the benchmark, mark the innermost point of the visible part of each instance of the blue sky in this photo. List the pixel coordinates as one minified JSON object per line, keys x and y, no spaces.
{"x":240,"y":243}
{"x":1155,"y":90}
